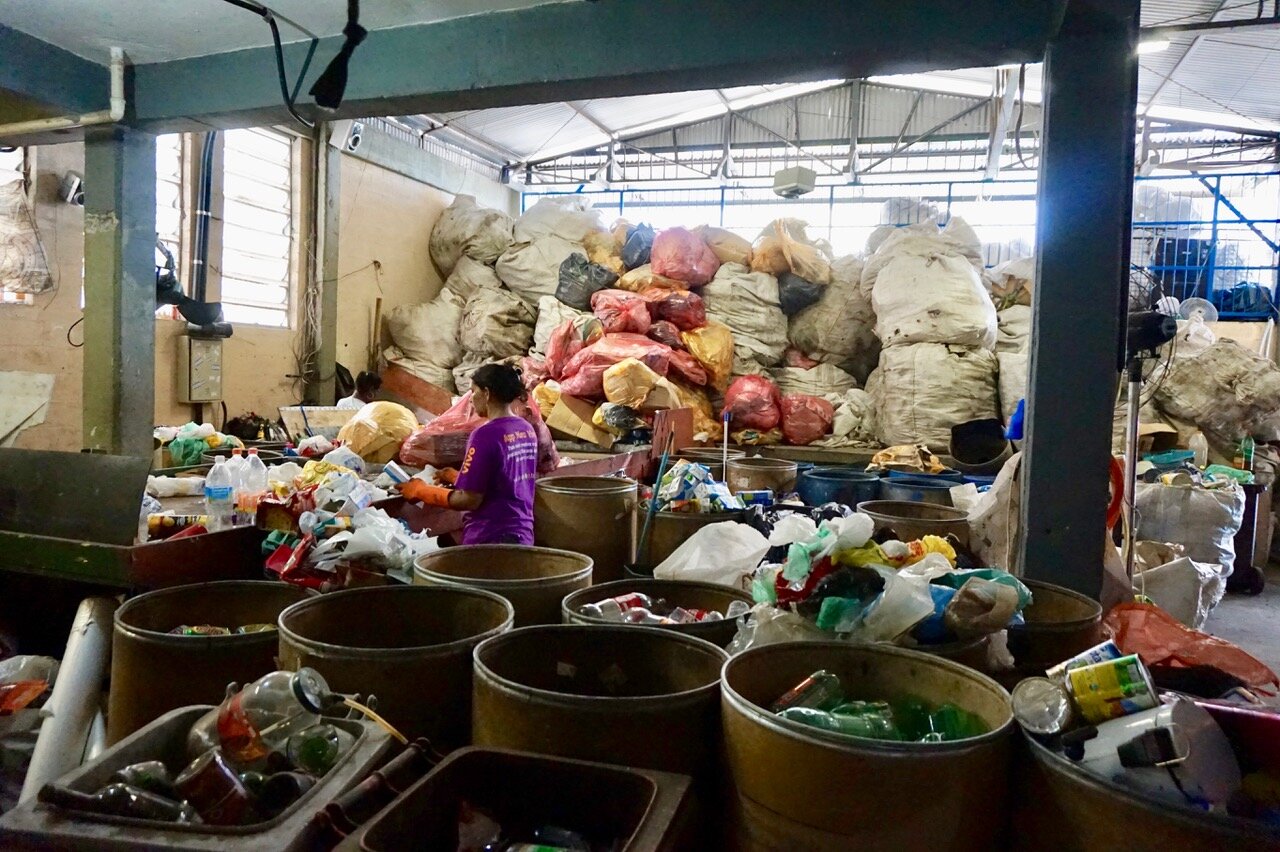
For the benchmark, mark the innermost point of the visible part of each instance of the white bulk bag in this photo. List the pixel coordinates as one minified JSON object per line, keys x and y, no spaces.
{"x":932,"y":298}
{"x":471,"y":276}
{"x":926,"y":388}
{"x":1225,"y":390}
{"x":748,"y":303}
{"x":532,"y":270}
{"x":1203,"y":520}
{"x":1014,"y":368}
{"x":569,"y":217}
{"x":816,"y":381}
{"x":466,"y":228}
{"x":425,"y":337}
{"x":840,"y":327}
{"x":1014,"y":331}
{"x":496,"y":324}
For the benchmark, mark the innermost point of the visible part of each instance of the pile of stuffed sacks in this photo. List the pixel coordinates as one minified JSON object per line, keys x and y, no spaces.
{"x":823,"y":573}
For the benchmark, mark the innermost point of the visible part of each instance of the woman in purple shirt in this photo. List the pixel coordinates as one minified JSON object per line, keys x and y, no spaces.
{"x":495,"y":483}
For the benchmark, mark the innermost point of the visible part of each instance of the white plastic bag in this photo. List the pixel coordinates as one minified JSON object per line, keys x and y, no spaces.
{"x":769,"y":625}
{"x":725,"y":553}
{"x":903,"y":604}
{"x":175,"y":486}
{"x":791,"y":529}
{"x":1185,"y":589}
{"x":346,"y":458}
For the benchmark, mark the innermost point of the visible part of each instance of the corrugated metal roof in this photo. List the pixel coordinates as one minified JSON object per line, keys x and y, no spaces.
{"x":1229,"y":76}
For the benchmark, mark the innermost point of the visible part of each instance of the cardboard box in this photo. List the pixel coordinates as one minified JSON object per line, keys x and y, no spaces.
{"x":572,"y":418}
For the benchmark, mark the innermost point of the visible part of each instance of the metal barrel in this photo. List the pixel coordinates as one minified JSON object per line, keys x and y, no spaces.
{"x":845,"y":485}
{"x":687,"y":594}
{"x":1059,"y":805}
{"x":1059,"y":623}
{"x":634,"y":696}
{"x":917,"y":489}
{"x":802,"y":788}
{"x":153,"y":672}
{"x":409,"y":646}
{"x":591,"y":515}
{"x":671,"y":529}
{"x":755,"y":474}
{"x":712,"y":457}
{"x":913,"y":520}
{"x":534,"y":579}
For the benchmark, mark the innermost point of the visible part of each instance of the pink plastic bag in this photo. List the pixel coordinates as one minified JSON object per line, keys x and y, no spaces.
{"x":1160,"y":640}
{"x":684,"y":256}
{"x":443,"y":441}
{"x":584,"y":374}
{"x":686,"y":368}
{"x":753,"y":402}
{"x":805,"y":418}
{"x":568,"y":339}
{"x":620,"y":311}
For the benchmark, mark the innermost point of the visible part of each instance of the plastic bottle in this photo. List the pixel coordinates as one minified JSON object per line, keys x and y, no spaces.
{"x":219,"y":496}
{"x":1200,"y":447}
{"x":614,"y":609}
{"x":260,"y":718}
{"x":252,"y":488}
{"x":1244,"y":454}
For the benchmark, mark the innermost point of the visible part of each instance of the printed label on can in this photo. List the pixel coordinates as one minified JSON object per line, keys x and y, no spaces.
{"x":1112,"y":689}
{"x":1097,"y":654}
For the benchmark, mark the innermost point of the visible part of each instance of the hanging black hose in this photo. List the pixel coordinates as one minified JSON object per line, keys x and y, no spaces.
{"x":204,"y":196}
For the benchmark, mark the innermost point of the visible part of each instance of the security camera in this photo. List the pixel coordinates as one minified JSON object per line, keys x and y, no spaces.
{"x":71,"y":189}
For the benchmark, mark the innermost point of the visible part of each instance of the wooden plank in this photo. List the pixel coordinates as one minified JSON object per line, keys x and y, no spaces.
{"x":416,"y":392}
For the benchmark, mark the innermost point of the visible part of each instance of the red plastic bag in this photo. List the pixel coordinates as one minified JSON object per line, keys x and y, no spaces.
{"x":533,"y":372}
{"x":753,"y":402}
{"x":684,"y":309}
{"x":805,"y":418}
{"x":568,"y":339}
{"x":443,"y":441}
{"x":684,"y":256}
{"x":686,"y":368}
{"x":584,"y":374}
{"x":620,"y":311}
{"x":666,"y":333}
{"x":1161,"y":640}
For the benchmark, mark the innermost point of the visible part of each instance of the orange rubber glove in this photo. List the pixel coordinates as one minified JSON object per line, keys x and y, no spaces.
{"x":430,"y":495}
{"x":447,"y":476}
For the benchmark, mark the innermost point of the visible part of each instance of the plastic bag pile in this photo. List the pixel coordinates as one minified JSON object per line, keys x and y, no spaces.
{"x":188,"y":443}
{"x":824,"y":574}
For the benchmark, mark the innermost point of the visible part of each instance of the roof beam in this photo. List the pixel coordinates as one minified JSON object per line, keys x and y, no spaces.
{"x":1166,"y":79}
{"x":488,"y":60}
{"x":38,"y":71}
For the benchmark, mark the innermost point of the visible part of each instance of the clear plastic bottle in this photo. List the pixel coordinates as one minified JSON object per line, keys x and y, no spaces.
{"x":236,"y":465}
{"x":252,"y":488}
{"x":260,"y":718}
{"x":1200,"y":447}
{"x":219,"y":496}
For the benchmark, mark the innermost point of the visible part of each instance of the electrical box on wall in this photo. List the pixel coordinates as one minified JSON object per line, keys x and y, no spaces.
{"x":199,"y":370}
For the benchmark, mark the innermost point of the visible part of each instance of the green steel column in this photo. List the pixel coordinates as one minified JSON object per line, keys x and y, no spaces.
{"x":1082,"y":276}
{"x":119,"y":291}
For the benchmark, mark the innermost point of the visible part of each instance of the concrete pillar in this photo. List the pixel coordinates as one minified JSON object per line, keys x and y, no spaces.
{"x":119,"y":290}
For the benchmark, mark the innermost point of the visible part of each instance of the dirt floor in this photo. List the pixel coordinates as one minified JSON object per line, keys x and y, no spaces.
{"x":1252,"y":622}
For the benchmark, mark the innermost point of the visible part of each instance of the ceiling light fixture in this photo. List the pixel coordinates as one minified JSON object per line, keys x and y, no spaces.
{"x":331,"y":86}
{"x":1155,"y":45}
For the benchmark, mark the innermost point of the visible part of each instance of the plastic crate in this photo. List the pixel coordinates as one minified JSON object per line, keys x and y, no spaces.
{"x":37,"y":826}
{"x":640,"y":810}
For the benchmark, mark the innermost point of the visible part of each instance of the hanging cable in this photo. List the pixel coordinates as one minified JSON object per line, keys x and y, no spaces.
{"x":289,"y":97}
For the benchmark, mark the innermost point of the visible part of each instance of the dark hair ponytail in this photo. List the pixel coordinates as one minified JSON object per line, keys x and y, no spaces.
{"x":501,"y":380}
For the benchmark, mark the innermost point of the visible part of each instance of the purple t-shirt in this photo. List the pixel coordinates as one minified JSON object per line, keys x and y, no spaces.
{"x":502,"y":464}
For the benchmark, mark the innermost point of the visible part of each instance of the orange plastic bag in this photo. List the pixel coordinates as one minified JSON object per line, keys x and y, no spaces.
{"x":1161,"y":640}
{"x":643,"y":277}
{"x":805,"y":418}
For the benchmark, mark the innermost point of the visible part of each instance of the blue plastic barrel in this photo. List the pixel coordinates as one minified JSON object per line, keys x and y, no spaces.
{"x":837,"y":485}
{"x":918,"y":489}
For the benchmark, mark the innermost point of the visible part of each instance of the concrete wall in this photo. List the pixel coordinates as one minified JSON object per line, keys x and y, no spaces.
{"x":385,"y":221}
{"x":386,"y":216}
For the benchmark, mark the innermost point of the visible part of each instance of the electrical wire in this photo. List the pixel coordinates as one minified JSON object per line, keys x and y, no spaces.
{"x":69,"y":329}
{"x":289,"y":97}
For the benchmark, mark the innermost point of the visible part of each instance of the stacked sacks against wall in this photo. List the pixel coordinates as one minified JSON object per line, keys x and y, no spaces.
{"x":464,"y":244}
{"x":938,"y":327}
